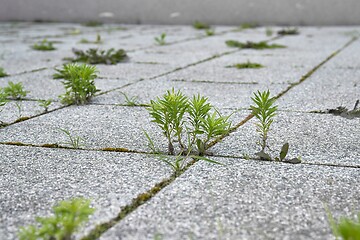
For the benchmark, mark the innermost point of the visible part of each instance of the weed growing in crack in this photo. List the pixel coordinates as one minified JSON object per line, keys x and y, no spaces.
{"x":192,"y":119}
{"x":130,"y":101}
{"x":209,"y":32}
{"x":92,"y":24}
{"x":3,"y":73}
{"x":78,"y":82}
{"x":67,"y":219}
{"x":288,"y":31}
{"x":161,"y":39}
{"x":345,"y":228}
{"x":247,"y":64}
{"x":14,"y":91}
{"x":253,"y":45}
{"x":200,"y":25}
{"x":74,"y":141}
{"x":96,"y":56}
{"x":96,"y":41}
{"x":265,"y":110}
{"x":43,"y":45}
{"x":45,"y":104}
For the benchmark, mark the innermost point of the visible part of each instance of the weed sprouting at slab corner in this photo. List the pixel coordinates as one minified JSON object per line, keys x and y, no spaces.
{"x":253,"y":45}
{"x":3,"y":73}
{"x":161,"y":39}
{"x":43,"y":45}
{"x":68,"y":217}
{"x":78,"y":81}
{"x":14,"y":91}
{"x":97,"y":56}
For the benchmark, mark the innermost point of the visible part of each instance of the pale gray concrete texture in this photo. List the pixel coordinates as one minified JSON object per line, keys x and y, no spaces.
{"x":241,"y":199}
{"x":284,"y":12}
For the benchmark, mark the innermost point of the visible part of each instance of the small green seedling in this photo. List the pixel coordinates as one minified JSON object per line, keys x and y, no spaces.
{"x":79,"y":83}
{"x":93,"y":24}
{"x":43,"y":45}
{"x":15,"y":91}
{"x":248,"y":25}
{"x":269,"y":32}
{"x":345,"y":228}
{"x":74,"y":141}
{"x":45,"y":104}
{"x":68,"y":217}
{"x":209,"y":32}
{"x":19,"y":108}
{"x":252,"y":45}
{"x":97,"y":41}
{"x":96,"y":56}
{"x":161,"y":39}
{"x":194,"y":120}
{"x":130,"y":101}
{"x":288,"y":31}
{"x":245,"y":65}
{"x":3,"y":73}
{"x":3,"y":98}
{"x":264,"y":110}
{"x":200,"y":25}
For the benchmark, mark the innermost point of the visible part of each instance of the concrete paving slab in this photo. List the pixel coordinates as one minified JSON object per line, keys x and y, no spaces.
{"x":237,"y":95}
{"x":316,"y":138}
{"x":245,"y":200}
{"x":99,"y":126}
{"x":328,"y":88}
{"x":35,"y":179}
{"x":16,"y":110}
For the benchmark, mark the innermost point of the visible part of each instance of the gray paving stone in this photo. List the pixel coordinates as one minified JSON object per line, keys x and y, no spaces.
{"x":15,"y":110}
{"x":34,"y":179}
{"x":236,"y":95}
{"x":245,"y":200}
{"x":328,"y":88}
{"x":316,"y":138}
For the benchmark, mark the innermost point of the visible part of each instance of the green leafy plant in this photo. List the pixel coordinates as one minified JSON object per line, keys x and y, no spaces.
{"x":78,"y":82}
{"x":3,"y":73}
{"x":15,"y":91}
{"x":252,"y":45}
{"x":265,"y":110}
{"x":74,"y":141}
{"x":96,"y":56}
{"x":43,"y":45}
{"x":247,"y":64}
{"x":161,"y":39}
{"x":345,"y":228}
{"x":194,"y":120}
{"x":96,"y":41}
{"x":209,"y":32}
{"x":200,"y":25}
{"x":45,"y":104}
{"x":130,"y":101}
{"x":288,"y":31}
{"x":19,"y":108}
{"x":67,"y":219}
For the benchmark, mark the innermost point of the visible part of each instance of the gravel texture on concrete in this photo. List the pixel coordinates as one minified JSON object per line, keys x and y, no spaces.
{"x":243,"y":199}
{"x":35,"y":179}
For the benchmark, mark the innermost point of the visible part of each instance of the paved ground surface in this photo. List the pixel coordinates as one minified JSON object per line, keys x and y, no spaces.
{"x":242,"y":199}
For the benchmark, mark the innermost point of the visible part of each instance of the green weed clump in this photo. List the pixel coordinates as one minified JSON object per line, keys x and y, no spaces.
{"x":245,"y":65}
{"x":345,"y":228}
{"x":96,"y":56}
{"x":161,"y":39}
{"x":253,"y":45}
{"x":68,"y":217}
{"x":3,"y":73}
{"x":288,"y":31}
{"x":14,"y":91}
{"x":265,"y":110}
{"x":201,"y":25}
{"x":79,"y":83}
{"x":43,"y":45}
{"x":190,"y":123}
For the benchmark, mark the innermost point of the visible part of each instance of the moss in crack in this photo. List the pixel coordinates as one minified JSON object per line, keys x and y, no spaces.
{"x":108,"y":149}
{"x":21,"y":119}
{"x":288,"y":31}
{"x":253,"y":45}
{"x":245,"y":65}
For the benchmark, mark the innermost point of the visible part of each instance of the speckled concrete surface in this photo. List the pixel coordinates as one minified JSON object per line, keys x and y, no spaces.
{"x":243,"y":199}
